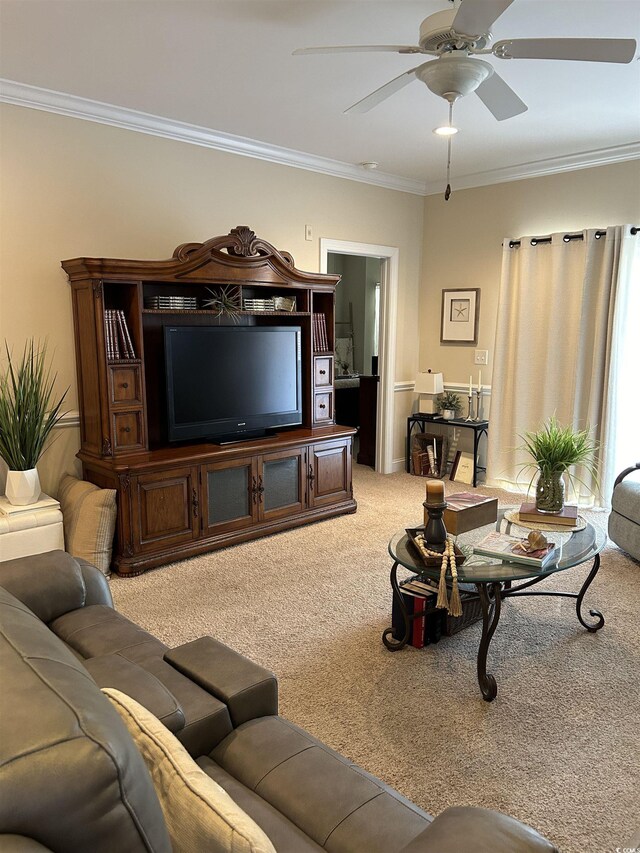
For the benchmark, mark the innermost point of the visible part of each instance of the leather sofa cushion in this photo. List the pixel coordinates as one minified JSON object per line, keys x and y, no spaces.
{"x":327,"y":797}
{"x":199,"y":814}
{"x":71,"y":774}
{"x":98,"y":631}
{"x":285,"y":835}
{"x":458,"y":828}
{"x":131,"y":679}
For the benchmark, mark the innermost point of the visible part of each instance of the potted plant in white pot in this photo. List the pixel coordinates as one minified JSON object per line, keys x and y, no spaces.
{"x":554,"y":450}
{"x":449,"y":405}
{"x":28,"y":413}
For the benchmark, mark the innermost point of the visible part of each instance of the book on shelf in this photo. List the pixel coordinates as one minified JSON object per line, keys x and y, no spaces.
{"x":567,"y":517}
{"x":320,"y":340}
{"x":322,"y":332}
{"x":127,"y":343}
{"x":258,"y":304}
{"x":171,"y":303}
{"x":510,"y":548}
{"x":113,"y":349}
{"x":117,"y":337}
{"x":468,"y":510}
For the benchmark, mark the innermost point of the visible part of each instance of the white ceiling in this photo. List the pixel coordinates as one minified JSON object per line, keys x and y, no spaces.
{"x":226,"y":65}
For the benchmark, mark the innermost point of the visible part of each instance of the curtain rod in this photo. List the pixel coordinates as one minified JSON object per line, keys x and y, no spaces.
{"x":538,"y":241}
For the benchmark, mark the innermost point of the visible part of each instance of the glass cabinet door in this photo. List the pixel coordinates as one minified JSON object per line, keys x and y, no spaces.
{"x":282,"y":483}
{"x":231,"y":496}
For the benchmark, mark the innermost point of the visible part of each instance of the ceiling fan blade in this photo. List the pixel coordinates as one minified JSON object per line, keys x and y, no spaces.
{"x":499,"y":98}
{"x":384,"y":92}
{"x":585,"y":50}
{"x":361,"y":48}
{"x":475,"y":17}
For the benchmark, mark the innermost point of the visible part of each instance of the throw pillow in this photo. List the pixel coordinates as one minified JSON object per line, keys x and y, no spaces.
{"x":199,"y":814}
{"x":89,"y":520}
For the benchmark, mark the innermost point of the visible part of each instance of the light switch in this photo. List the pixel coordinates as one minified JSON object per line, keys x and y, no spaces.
{"x":307,"y":232}
{"x":481,"y":356}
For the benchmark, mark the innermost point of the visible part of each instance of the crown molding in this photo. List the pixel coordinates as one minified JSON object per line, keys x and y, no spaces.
{"x":61,"y":103}
{"x":36,"y":98}
{"x":539,"y":168}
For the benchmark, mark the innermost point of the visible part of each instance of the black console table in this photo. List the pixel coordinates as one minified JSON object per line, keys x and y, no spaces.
{"x":479,"y":428}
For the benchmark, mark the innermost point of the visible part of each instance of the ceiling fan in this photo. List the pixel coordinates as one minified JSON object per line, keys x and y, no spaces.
{"x":456,"y":36}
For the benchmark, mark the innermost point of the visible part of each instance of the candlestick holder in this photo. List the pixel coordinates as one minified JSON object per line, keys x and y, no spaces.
{"x":478,"y":398}
{"x":435,"y":532}
{"x":470,"y":414}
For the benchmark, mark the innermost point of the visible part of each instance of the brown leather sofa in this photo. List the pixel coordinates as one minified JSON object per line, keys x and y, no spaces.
{"x":72,"y":780}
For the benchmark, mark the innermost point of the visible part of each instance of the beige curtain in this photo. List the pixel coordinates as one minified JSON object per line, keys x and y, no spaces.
{"x":553,"y":338}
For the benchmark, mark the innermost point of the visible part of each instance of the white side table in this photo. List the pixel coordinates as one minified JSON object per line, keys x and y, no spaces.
{"x":33,"y":529}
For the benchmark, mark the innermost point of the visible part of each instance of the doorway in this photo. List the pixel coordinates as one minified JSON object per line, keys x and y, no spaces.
{"x":365,"y":343}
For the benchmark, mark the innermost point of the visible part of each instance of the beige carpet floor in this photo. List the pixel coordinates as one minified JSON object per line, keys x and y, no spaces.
{"x":560,"y":746}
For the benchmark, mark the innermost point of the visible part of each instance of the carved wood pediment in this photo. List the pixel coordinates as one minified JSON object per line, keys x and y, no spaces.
{"x":239,"y":255}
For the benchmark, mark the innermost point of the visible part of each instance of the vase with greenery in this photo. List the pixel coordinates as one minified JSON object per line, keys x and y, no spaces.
{"x":29,"y":410}
{"x":448,"y":404}
{"x":555,"y":450}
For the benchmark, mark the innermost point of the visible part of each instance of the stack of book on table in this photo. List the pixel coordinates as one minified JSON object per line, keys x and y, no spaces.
{"x":511,"y":549}
{"x":567,"y":517}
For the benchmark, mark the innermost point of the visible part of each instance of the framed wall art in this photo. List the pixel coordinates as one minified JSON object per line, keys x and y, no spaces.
{"x":460,"y":311}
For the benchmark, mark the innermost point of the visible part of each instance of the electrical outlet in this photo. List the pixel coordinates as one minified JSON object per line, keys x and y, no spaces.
{"x":481,"y":356}
{"x":307,"y":232}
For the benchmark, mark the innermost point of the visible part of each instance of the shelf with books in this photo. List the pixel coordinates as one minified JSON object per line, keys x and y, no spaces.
{"x":118,"y":340}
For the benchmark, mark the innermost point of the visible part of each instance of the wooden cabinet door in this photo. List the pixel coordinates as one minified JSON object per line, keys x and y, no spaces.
{"x":329,"y":472}
{"x":230,"y":495}
{"x":282,"y":483}
{"x":166,"y":509}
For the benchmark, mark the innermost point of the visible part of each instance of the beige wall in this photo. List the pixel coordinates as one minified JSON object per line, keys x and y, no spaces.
{"x":72,"y":188}
{"x":463,"y":244}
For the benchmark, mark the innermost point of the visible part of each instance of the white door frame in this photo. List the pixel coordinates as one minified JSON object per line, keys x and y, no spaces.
{"x":387,"y":338}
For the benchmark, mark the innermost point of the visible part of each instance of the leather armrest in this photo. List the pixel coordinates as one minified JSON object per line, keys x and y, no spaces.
{"x":96,"y":584}
{"x":130,"y":678}
{"x":49,"y":584}
{"x":463,"y":828}
{"x":248,"y":690}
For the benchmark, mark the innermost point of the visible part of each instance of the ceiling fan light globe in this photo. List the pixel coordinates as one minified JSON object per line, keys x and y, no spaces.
{"x":447,"y":130}
{"x":454,"y":76}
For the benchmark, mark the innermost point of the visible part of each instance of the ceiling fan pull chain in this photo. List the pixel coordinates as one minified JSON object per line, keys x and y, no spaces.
{"x":447,"y":192}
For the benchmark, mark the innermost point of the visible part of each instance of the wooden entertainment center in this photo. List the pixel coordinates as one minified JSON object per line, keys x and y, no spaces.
{"x":176,"y":500}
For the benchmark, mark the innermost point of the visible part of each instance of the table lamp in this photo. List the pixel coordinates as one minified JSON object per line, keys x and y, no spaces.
{"x":428,"y":385}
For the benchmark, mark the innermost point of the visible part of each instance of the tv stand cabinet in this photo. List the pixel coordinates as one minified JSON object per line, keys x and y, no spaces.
{"x":175,"y":501}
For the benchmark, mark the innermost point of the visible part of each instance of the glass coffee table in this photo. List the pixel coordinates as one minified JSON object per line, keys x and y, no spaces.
{"x":494,"y":581}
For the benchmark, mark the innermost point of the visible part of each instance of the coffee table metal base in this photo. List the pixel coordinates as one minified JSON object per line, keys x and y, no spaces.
{"x":491,"y":595}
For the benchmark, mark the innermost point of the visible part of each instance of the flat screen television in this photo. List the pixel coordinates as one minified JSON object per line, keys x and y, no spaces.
{"x":231,"y":382}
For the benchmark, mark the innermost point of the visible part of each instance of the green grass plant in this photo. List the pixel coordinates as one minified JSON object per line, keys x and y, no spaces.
{"x":554,"y":449}
{"x":28,"y":409}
